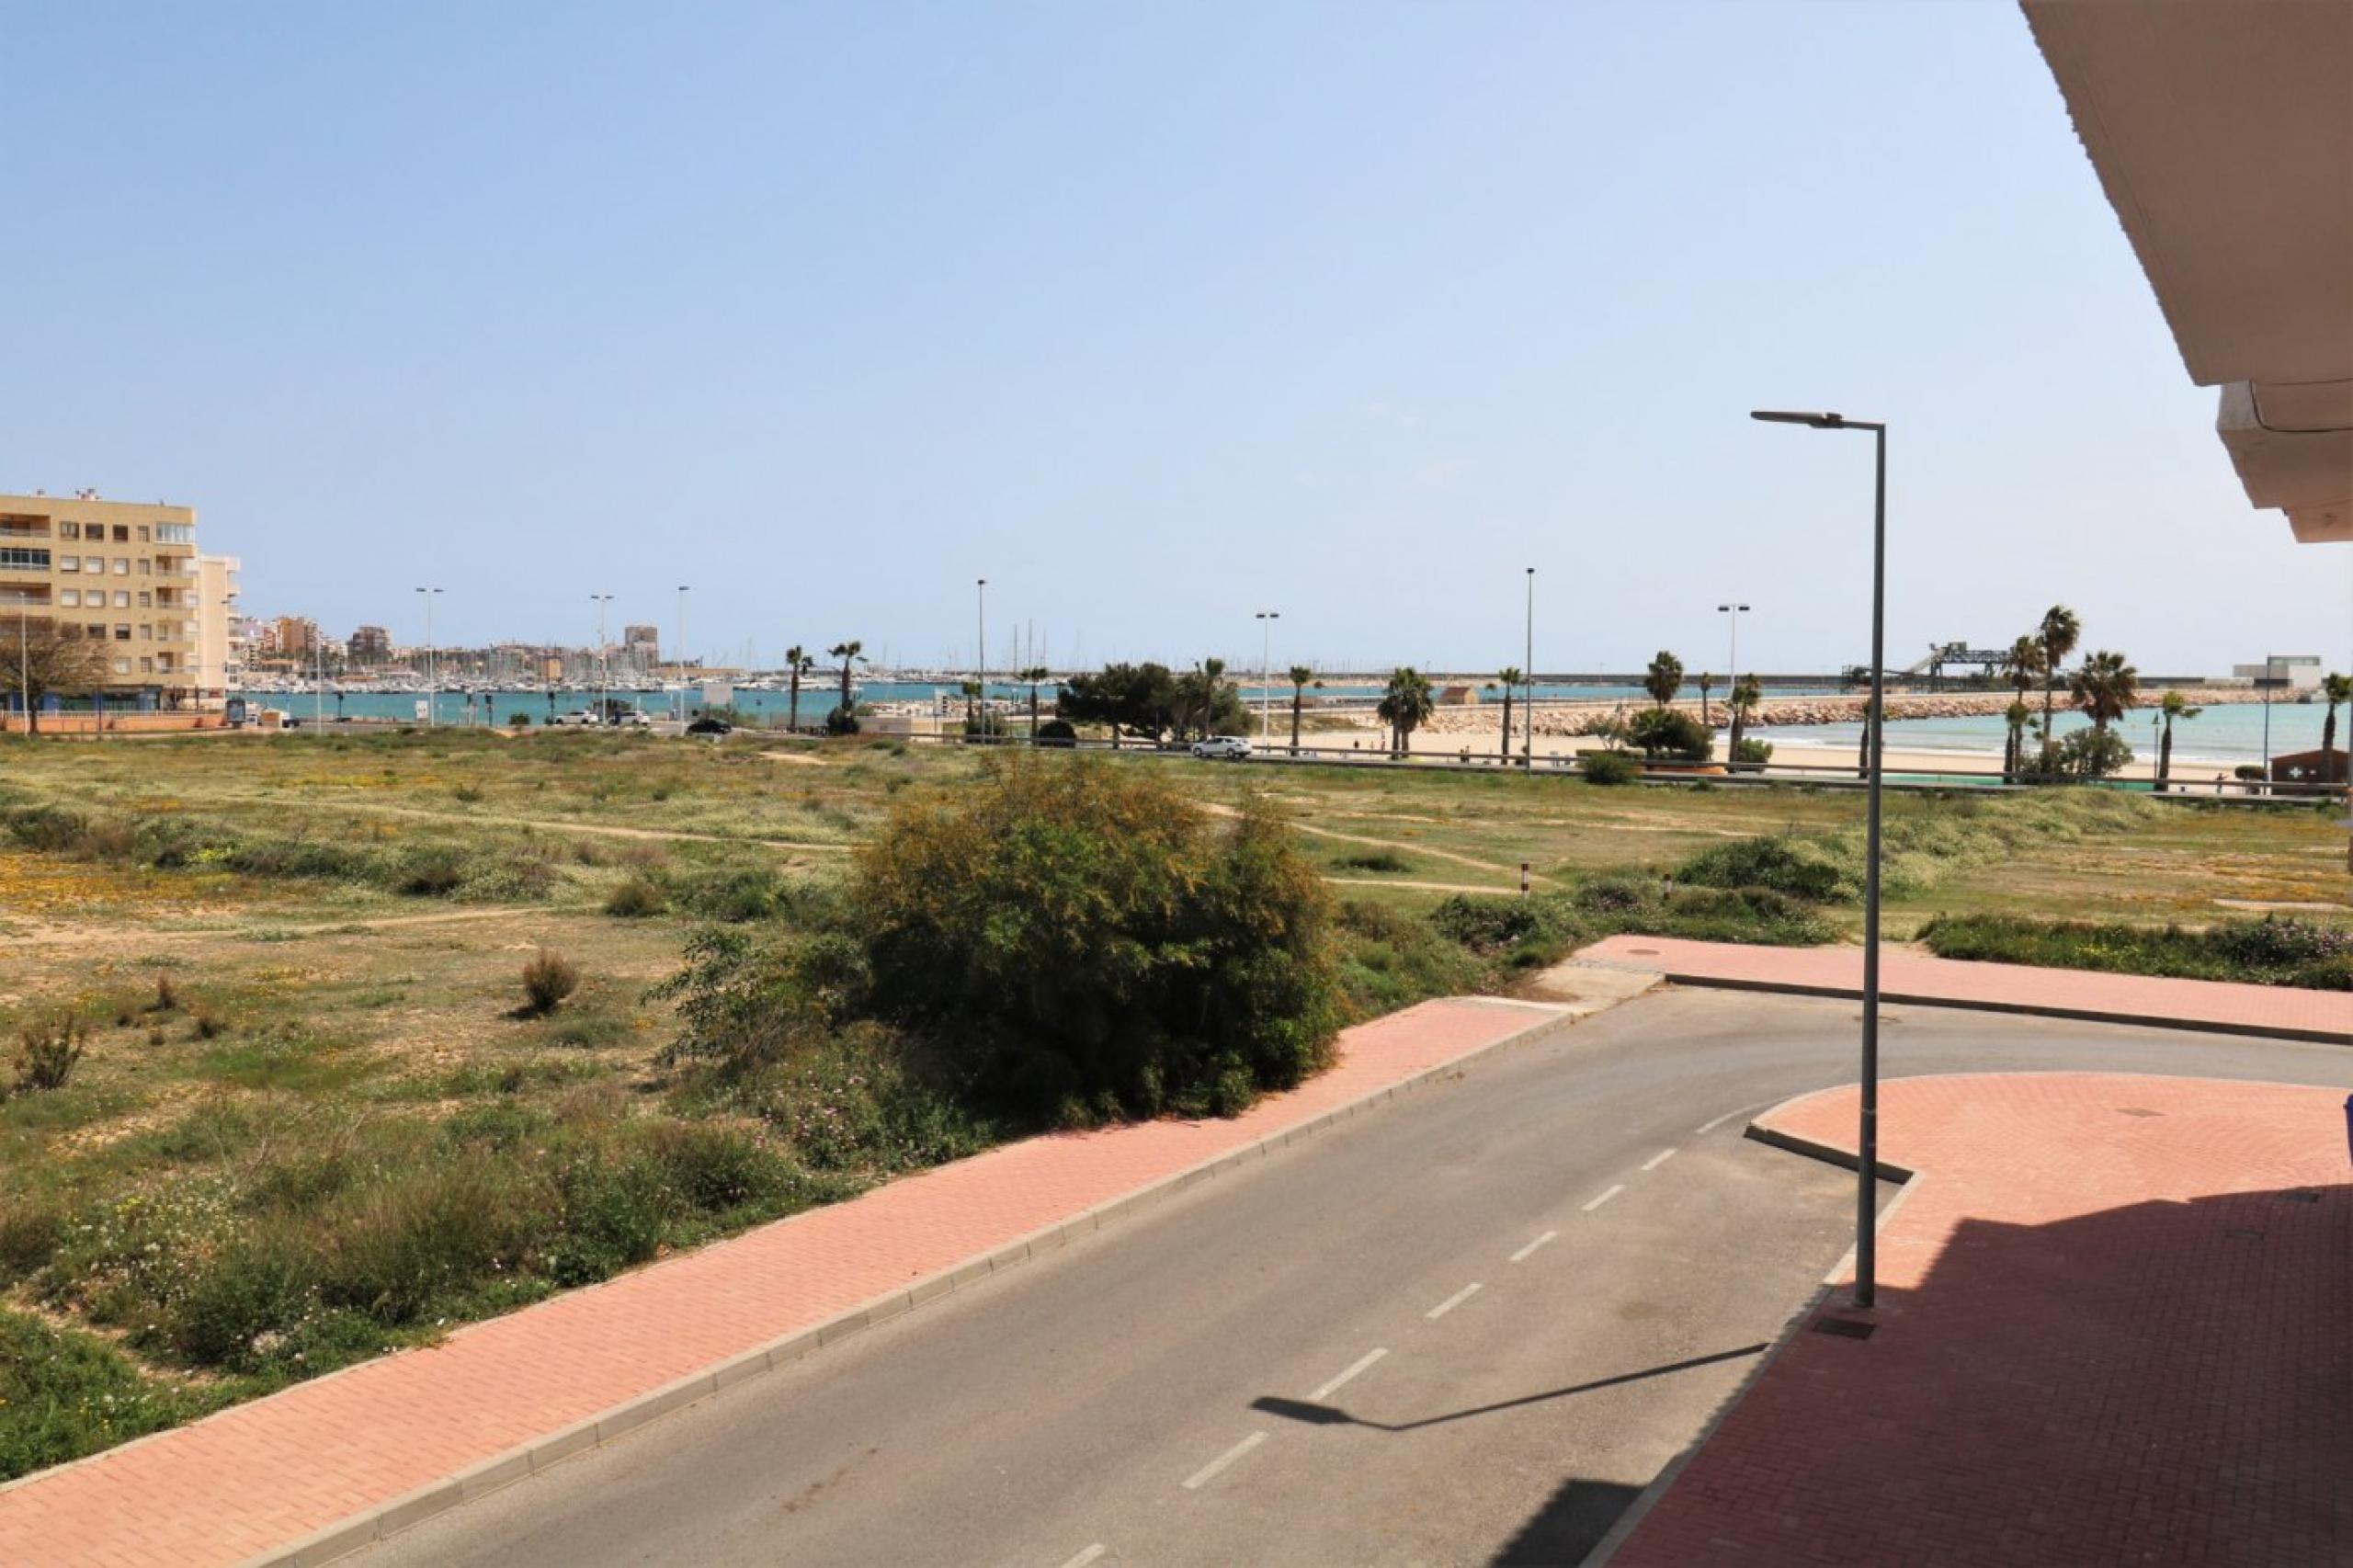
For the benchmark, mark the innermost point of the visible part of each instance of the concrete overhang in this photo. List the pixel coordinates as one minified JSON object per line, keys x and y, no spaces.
{"x":2222,"y":131}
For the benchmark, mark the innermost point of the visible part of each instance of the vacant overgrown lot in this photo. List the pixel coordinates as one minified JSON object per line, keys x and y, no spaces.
{"x":281,"y":1099}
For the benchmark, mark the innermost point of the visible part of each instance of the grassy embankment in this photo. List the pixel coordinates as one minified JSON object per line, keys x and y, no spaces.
{"x":314,"y":1117}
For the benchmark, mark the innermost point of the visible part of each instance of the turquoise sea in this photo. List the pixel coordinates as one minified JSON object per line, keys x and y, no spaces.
{"x":2224,"y":735}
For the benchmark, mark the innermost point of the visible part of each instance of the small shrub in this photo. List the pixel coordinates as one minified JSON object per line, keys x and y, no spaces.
{"x":1373,"y":860}
{"x":49,"y":1052}
{"x":841,"y":722}
{"x":548,"y":977}
{"x":466,"y":793}
{"x":1608,"y":767}
{"x":636,"y":899}
{"x":429,"y":871}
{"x":167,"y":996}
{"x":1670,"y":731}
{"x":1751,"y":755}
{"x":208,"y":1026}
{"x":519,"y":720}
{"x":753,"y":892}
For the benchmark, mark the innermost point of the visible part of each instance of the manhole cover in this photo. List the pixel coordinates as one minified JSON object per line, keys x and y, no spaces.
{"x":2136,"y":1110}
{"x":1845,"y":1328}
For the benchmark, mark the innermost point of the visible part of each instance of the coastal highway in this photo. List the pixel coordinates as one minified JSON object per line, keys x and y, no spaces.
{"x":1467,"y":1327}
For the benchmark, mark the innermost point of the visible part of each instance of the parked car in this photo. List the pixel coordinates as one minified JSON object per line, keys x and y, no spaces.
{"x":632,"y":719}
{"x":578,"y":716}
{"x":707,"y":725}
{"x":1227,"y":748}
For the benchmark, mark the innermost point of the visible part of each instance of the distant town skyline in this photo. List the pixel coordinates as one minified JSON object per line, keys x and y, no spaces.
{"x":1154,"y":319}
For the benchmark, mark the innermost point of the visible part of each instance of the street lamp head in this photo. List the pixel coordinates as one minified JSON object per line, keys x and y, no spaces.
{"x":1779,"y":416}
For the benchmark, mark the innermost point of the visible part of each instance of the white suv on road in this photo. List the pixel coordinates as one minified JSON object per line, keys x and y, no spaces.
{"x":1231,"y":748}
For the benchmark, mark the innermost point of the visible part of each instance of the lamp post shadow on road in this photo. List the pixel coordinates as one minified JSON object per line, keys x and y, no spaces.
{"x":1866,"y":1143}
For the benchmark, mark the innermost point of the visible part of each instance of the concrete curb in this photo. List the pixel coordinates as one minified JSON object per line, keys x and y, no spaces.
{"x":525,"y":1460}
{"x":2078,"y":1015}
{"x":1846,"y":1159}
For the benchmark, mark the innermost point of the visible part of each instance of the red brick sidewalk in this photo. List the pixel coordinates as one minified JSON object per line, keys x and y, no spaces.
{"x":2115,"y":1326}
{"x":2276,"y":1010}
{"x":504,"y":1397}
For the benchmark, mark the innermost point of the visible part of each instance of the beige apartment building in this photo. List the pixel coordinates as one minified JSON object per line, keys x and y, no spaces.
{"x":115,"y":571}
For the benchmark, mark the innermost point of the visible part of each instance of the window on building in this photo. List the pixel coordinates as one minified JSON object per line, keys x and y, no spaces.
{"x":98,"y":631}
{"x":146,"y":599}
{"x":174,"y":533}
{"x":122,"y":533}
{"x":146,"y":567}
{"x":122,"y":666}
{"x":122,"y":598}
{"x":144,"y":535}
{"x":122,"y":566}
{"x":122,"y":632}
{"x":146,"y":666}
{"x":69,"y":531}
{"x":97,"y":563}
{"x":71,"y":598}
{"x":147,"y":631}
{"x":22,"y":559}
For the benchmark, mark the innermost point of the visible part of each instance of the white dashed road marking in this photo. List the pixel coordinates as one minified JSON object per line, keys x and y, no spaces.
{"x":1659,"y":1159}
{"x":1522,"y":1254}
{"x":1085,"y":1555}
{"x":1210,"y":1471}
{"x":1453,"y":1301}
{"x":1358,"y":1365}
{"x":1603,"y":1198}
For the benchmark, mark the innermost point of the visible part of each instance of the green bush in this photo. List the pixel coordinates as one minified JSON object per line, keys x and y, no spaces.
{"x":1751,"y":755}
{"x":1057,"y":732}
{"x":1800,"y":866}
{"x":1608,"y":767}
{"x":637,"y":898}
{"x":751,"y":892}
{"x":841,"y":721}
{"x":1372,"y":860}
{"x":1083,"y":937}
{"x":2271,"y":951}
{"x":1670,"y":731}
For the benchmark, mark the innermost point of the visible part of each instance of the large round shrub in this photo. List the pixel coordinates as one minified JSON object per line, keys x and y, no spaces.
{"x":1088,"y":942}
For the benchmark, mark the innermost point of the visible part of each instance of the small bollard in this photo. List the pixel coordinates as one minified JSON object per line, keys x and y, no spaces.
{"x":1523,"y":878}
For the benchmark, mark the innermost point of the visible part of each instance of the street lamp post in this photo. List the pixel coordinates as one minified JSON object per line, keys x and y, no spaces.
{"x":981,"y":658}
{"x":1867,"y":1163}
{"x":2270,"y":674}
{"x":1266,"y":619}
{"x":604,"y":659}
{"x":1527,"y":677}
{"x":679,"y":658}
{"x":432,"y":676}
{"x":1735,"y":611}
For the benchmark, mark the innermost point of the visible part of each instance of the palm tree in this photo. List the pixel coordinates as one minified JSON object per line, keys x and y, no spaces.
{"x":1299,"y":676}
{"x":1406,"y":704}
{"x":846,"y":653}
{"x":2022,"y":665}
{"x":1033,"y":674}
{"x":796,"y":663}
{"x":1705,"y":682}
{"x":1664,"y":678}
{"x":2334,"y":691}
{"x":1742,"y":698}
{"x":2056,"y":638}
{"x":1511,"y":676}
{"x":2104,"y":687}
{"x":1213,"y":675}
{"x":2173,"y":705}
{"x":2017,"y":715}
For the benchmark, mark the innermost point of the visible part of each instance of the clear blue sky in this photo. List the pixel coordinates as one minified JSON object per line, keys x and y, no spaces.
{"x":1153,"y":315}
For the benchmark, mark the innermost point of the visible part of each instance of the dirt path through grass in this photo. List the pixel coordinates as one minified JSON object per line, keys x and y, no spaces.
{"x":611,"y":830}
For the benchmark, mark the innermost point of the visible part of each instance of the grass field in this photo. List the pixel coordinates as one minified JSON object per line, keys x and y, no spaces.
{"x":313,"y":1119}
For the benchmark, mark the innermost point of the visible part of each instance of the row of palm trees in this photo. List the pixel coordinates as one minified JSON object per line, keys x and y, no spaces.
{"x":2104,"y":687}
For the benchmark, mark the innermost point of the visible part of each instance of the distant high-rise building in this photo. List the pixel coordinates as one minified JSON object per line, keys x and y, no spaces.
{"x":298,"y":636}
{"x":642,"y":645}
{"x":371,"y":645}
{"x":221,"y":628}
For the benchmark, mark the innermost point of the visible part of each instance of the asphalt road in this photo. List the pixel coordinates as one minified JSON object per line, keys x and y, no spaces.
{"x":1468,"y":1327}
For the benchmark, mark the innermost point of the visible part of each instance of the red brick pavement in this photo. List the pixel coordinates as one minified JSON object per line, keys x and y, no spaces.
{"x":260,"y":1477}
{"x":2067,"y":992}
{"x":2115,"y":1326}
